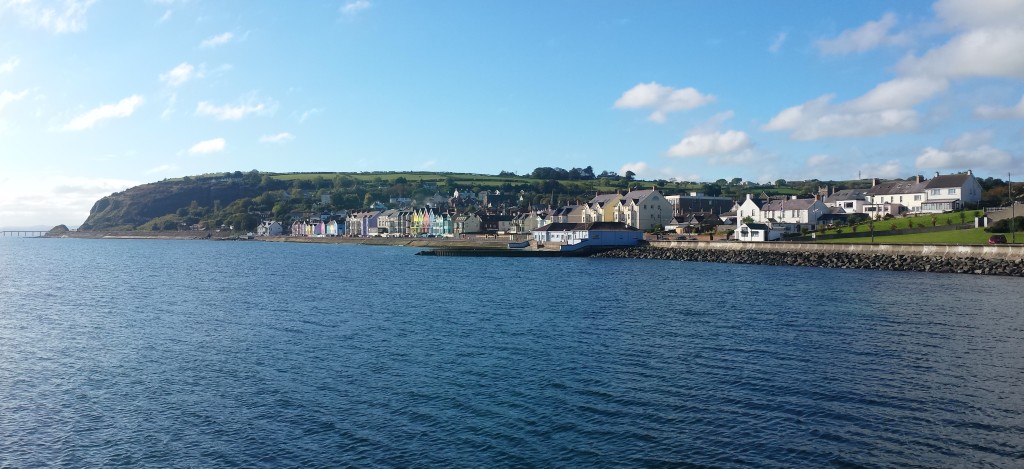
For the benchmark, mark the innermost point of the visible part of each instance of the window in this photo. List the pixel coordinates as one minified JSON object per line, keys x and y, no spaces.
{"x":935,"y":192}
{"x":951,"y":192}
{"x":917,"y":197}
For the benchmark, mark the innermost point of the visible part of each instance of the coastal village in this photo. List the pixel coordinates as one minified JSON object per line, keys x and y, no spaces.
{"x":623,"y":218}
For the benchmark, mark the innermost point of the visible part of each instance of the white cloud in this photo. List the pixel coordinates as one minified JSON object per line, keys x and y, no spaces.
{"x":663,"y":99}
{"x":886,"y":108}
{"x":995,"y":112}
{"x":214,"y":145}
{"x":7,"y":97}
{"x":60,"y":17}
{"x":169,"y":110}
{"x":178,"y":75}
{"x":776,"y":45}
{"x":227,"y":112}
{"x":310,"y":113}
{"x":354,"y":7}
{"x":899,"y":93}
{"x":638,"y":168}
{"x":166,"y":16}
{"x":888,"y":170}
{"x":818,"y":161}
{"x":9,"y":65}
{"x":710,"y":144}
{"x":970,"y":150}
{"x":123,"y":108}
{"x":277,"y":138}
{"x":162,"y":169}
{"x":868,"y":36}
{"x":989,"y":37}
{"x":985,"y":52}
{"x":53,"y":199}
{"x":429,"y":164}
{"x":218,"y":40}
{"x":968,"y":14}
{"x":986,"y":41}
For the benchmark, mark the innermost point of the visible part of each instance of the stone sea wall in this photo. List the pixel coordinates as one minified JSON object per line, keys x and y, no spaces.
{"x":831,"y":259}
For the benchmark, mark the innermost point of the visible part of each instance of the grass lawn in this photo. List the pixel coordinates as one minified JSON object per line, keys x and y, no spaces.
{"x":970,"y":236}
{"x":882,"y":226}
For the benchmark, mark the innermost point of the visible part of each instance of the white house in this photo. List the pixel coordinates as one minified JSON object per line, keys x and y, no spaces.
{"x":757,"y":232}
{"x":269,"y":228}
{"x":951,"y":192}
{"x":847,"y":200}
{"x":588,"y":234}
{"x":894,"y":197}
{"x":798,"y":213}
{"x":751,"y":208}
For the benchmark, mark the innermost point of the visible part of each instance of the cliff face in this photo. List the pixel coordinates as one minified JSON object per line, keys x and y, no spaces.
{"x":140,"y":204}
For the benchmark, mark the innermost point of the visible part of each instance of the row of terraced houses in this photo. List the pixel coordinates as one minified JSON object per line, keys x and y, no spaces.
{"x":754,"y":218}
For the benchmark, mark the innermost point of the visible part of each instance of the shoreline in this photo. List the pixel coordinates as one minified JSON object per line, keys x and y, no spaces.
{"x":829,"y":260}
{"x":473,"y":242}
{"x":978,"y":260}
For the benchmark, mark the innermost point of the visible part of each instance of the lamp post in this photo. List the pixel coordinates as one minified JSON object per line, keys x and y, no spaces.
{"x":1013,"y":210}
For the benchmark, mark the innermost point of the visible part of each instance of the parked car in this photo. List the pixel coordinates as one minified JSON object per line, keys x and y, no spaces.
{"x":997,"y":239}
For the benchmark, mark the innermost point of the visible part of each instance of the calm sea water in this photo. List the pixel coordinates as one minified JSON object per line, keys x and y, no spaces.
{"x":230,"y":354}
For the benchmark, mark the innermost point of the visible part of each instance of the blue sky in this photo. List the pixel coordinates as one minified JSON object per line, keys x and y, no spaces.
{"x":100,"y":95}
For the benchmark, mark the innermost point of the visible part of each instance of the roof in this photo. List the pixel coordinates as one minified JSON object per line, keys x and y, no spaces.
{"x":948,"y":180}
{"x":701,"y":204}
{"x":897,"y":187}
{"x":757,"y":201}
{"x":595,"y":226}
{"x":757,"y":226}
{"x":847,"y":194}
{"x":637,"y":195}
{"x":788,"y":204}
{"x":604,"y":198}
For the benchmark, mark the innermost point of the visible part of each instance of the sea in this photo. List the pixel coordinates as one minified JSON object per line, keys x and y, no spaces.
{"x":161,"y":353}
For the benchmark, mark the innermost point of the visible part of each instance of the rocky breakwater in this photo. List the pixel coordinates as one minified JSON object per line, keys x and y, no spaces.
{"x":832,"y":260}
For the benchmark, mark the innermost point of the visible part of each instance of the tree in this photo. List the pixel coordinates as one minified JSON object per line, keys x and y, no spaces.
{"x":367,"y":200}
{"x":780,"y":182}
{"x":736,"y":181}
{"x":630,"y":175}
{"x":712,"y":190}
{"x":722,"y":182}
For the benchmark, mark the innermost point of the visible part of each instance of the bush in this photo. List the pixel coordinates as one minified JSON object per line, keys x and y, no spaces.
{"x":1003,"y":226}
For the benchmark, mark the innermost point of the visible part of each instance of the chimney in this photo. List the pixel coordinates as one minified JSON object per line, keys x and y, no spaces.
{"x":874,"y":182}
{"x":749,"y":196}
{"x":970,"y":173}
{"x":936,"y":174}
{"x":918,"y":178}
